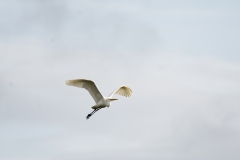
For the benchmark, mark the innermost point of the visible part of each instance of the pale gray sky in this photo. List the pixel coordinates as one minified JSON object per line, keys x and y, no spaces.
{"x":181,"y":59}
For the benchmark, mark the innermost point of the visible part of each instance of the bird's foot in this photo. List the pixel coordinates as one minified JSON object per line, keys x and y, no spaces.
{"x":88,"y":116}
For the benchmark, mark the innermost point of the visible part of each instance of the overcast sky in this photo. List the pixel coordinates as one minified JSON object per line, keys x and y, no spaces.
{"x":180,"y":58}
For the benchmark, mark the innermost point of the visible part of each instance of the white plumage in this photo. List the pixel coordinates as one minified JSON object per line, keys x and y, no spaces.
{"x":100,"y":100}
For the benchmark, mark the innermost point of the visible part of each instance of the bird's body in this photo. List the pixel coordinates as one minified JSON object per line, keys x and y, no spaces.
{"x":104,"y":102}
{"x":101,"y":101}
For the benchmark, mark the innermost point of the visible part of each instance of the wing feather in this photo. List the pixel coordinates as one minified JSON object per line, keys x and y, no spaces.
{"x":123,"y":91}
{"x":89,"y":85}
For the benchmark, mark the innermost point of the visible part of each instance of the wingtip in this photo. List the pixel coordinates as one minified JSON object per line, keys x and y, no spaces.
{"x":67,"y":82}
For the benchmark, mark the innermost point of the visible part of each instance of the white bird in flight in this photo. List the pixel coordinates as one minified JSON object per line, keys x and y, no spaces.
{"x":101,"y":101}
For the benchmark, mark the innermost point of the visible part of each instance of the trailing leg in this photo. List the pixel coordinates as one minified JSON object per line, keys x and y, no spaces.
{"x":94,"y":111}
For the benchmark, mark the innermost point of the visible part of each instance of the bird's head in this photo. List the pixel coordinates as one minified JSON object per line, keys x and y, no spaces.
{"x":113,"y":99}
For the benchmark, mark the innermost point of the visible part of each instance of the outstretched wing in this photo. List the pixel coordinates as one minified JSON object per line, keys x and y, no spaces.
{"x":88,"y":85}
{"x":123,"y":91}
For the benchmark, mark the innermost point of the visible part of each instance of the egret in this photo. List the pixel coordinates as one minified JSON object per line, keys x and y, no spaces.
{"x":101,"y":101}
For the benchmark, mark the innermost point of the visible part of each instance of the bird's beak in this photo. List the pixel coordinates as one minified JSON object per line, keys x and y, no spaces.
{"x":113,"y":99}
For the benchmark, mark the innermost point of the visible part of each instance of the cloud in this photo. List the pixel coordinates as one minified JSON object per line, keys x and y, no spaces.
{"x":180,"y":61}
{"x":181,"y":104}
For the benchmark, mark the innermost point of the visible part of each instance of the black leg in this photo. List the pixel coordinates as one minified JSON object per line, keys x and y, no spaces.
{"x":89,"y":115}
